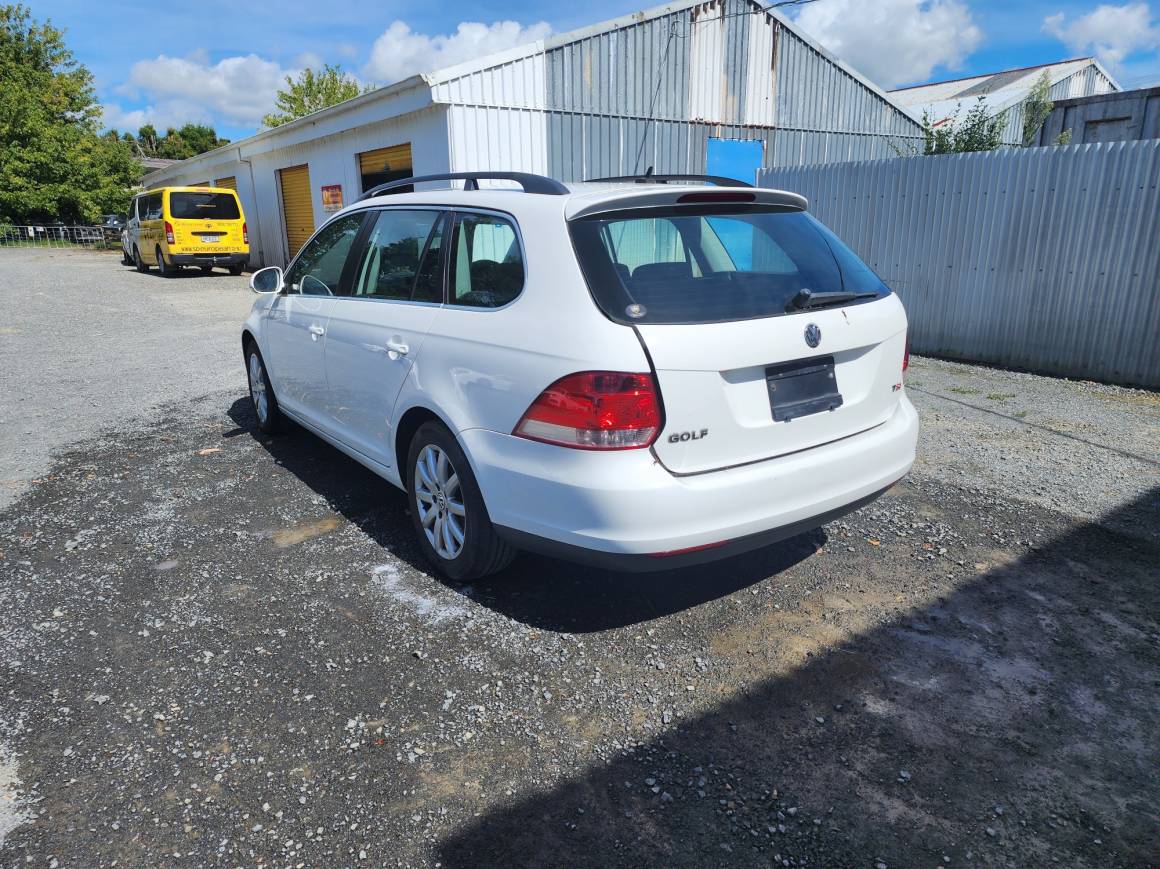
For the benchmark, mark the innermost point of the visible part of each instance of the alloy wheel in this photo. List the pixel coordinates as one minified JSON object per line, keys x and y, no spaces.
{"x":258,"y":388}
{"x":439,"y":500}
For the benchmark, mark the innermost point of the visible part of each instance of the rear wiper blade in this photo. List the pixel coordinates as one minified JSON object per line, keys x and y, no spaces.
{"x":806,"y":299}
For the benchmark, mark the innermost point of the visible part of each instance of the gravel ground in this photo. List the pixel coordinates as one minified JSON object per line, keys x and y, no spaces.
{"x":90,"y":344}
{"x":222,"y":649}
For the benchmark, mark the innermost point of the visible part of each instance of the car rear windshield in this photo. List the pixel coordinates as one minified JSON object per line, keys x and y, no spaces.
{"x":203,"y":206}
{"x":713,"y":264}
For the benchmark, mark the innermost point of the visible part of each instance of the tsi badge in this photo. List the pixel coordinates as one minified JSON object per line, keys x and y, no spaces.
{"x":813,"y":335}
{"x":677,"y":437}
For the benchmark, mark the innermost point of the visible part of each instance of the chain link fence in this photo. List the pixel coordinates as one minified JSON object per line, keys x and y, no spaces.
{"x":48,"y":235}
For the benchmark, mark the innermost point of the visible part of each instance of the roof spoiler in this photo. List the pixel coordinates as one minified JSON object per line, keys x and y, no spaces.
{"x":530,"y":183}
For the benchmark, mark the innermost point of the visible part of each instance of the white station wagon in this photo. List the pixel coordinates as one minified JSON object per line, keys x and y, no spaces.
{"x":634,"y":373}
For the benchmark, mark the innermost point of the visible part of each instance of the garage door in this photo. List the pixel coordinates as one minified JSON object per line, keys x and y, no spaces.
{"x":384,"y":164}
{"x":230,"y":183}
{"x":297,"y":209}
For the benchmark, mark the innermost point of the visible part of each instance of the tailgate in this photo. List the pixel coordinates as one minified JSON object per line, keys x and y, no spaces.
{"x":734,"y":392}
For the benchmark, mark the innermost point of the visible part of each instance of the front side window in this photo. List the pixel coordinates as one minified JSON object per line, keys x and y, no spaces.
{"x":203,"y":206}
{"x":715,"y":264}
{"x":403,"y":258}
{"x":318,"y":269}
{"x":487,"y":265}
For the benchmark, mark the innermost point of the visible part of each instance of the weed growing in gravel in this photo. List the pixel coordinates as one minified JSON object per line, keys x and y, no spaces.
{"x":1019,"y":414}
{"x":966,"y":390}
{"x":1000,"y":396}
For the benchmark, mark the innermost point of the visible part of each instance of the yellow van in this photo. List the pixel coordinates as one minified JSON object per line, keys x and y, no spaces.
{"x":171,"y":227}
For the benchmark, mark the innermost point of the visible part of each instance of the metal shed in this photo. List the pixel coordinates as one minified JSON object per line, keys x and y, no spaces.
{"x":673,"y":88}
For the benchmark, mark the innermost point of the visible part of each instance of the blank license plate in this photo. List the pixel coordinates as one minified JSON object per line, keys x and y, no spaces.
{"x":209,"y":239}
{"x":802,"y":387}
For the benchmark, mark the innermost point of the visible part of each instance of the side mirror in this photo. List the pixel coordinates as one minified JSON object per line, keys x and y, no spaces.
{"x":266,"y":281}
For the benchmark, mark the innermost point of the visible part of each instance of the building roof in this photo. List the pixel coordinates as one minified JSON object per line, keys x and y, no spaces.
{"x":1001,"y":90}
{"x":432,"y":87}
{"x":155,"y":163}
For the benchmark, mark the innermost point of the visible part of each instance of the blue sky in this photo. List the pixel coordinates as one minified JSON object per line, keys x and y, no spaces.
{"x":221,"y":62}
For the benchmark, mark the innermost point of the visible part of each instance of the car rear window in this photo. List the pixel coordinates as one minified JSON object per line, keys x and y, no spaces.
{"x":203,"y":206}
{"x":713,"y":264}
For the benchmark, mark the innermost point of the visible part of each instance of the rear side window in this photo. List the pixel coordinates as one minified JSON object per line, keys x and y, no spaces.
{"x":714,"y":264}
{"x":203,"y":206}
{"x":402,"y":258}
{"x":487,"y":265}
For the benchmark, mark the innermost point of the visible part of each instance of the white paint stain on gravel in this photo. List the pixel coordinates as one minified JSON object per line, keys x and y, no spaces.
{"x":14,"y":809}
{"x":430,"y":609}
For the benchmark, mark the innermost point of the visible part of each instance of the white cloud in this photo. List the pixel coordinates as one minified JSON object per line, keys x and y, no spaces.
{"x":400,"y":52}
{"x":894,"y":42}
{"x":235,"y":90}
{"x":1111,"y":33}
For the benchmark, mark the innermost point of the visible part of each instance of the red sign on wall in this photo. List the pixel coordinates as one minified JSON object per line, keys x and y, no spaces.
{"x":332,"y":197}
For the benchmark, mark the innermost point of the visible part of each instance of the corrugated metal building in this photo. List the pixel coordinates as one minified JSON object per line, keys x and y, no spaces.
{"x":1112,"y":117}
{"x":671,"y":88}
{"x":1006,"y":91}
{"x":1037,"y":258}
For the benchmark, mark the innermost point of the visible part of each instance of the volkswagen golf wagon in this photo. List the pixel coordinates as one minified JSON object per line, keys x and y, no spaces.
{"x":636,"y":373}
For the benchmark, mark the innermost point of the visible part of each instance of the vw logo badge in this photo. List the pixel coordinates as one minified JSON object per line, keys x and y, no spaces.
{"x":813,"y":335}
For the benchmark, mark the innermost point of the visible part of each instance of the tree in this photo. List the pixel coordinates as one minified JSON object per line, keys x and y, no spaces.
{"x":54,"y":164}
{"x":1036,"y":108}
{"x":977,"y":132}
{"x":312,"y":91}
{"x":177,"y":144}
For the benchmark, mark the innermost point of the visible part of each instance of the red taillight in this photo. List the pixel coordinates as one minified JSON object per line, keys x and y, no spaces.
{"x":169,"y":232}
{"x":245,"y":233}
{"x":906,"y":355}
{"x":595,"y":410}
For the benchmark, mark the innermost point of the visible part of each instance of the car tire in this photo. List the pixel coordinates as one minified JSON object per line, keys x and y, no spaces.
{"x":205,"y":270}
{"x":447,"y":509}
{"x":166,"y":270}
{"x":262,"y":397}
{"x":236,"y":270}
{"x":126,"y":259}
{"x":142,"y":266}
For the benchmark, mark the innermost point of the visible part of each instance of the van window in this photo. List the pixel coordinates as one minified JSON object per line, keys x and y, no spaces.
{"x":203,"y":206}
{"x":712,"y":264}
{"x":487,"y":265}
{"x":150,"y":207}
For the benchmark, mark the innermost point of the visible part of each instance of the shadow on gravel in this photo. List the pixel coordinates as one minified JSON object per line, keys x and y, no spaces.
{"x":1013,"y":722}
{"x":537,"y":591}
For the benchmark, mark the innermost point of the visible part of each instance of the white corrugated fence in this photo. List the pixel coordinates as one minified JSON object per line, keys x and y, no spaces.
{"x":1046,"y":259}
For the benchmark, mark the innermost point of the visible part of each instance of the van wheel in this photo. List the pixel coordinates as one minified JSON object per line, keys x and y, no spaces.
{"x":236,"y":270}
{"x":270,"y":419}
{"x":142,"y":266}
{"x":163,"y":268}
{"x":205,"y":270}
{"x":126,"y":259}
{"x":447,"y":509}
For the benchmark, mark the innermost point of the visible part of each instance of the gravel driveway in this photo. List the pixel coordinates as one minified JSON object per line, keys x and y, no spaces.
{"x":218,"y":648}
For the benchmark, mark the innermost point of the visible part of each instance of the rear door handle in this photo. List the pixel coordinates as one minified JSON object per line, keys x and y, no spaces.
{"x":398,"y":347}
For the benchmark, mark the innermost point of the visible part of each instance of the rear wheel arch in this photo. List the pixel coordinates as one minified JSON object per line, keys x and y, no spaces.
{"x":405,"y":430}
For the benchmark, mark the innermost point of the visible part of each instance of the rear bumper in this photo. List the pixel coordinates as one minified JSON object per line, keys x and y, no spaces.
{"x":625,"y":510}
{"x":209,"y":259}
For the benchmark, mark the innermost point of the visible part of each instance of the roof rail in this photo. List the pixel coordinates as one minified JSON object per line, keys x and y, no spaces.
{"x":530,"y":183}
{"x":650,"y":178}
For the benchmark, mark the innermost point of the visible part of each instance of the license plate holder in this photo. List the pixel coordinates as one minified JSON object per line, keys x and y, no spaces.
{"x":802,"y":387}
{"x":209,"y":239}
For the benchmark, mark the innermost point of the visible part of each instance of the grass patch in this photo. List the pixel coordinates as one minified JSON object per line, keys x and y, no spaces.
{"x":966,"y":390}
{"x":1019,"y":414}
{"x":1000,"y":396}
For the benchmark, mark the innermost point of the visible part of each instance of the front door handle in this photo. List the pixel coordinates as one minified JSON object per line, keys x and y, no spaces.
{"x":398,"y":347}
{"x":316,"y":332}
